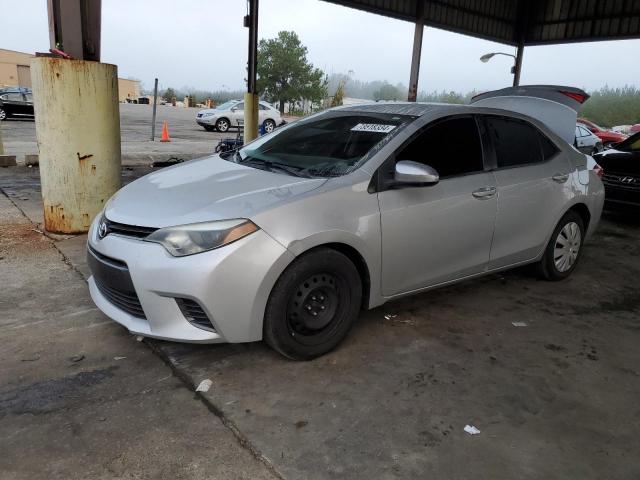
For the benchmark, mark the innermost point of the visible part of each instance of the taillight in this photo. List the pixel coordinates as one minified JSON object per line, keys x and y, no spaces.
{"x":598,"y":170}
{"x":578,"y":97}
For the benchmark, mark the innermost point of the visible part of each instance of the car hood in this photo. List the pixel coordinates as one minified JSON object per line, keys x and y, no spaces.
{"x":203,"y":190}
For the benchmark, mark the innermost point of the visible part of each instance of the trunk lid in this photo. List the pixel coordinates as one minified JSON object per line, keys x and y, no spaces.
{"x":555,"y":106}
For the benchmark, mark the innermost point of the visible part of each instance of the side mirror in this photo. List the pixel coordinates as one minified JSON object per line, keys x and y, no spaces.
{"x":415,"y":173}
{"x":233,"y":109}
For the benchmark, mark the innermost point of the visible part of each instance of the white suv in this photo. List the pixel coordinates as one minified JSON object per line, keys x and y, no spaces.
{"x":231,"y":114}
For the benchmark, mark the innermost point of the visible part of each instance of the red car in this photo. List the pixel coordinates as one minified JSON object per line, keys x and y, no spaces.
{"x":608,"y":137}
{"x":634,"y":128}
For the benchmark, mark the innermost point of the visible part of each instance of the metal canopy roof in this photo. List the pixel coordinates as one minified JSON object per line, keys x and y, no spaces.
{"x":525,"y":22}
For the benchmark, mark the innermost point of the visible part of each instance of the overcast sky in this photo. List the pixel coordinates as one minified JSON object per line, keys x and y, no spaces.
{"x":202,"y":43}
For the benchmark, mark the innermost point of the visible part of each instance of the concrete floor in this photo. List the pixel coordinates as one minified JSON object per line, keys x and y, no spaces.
{"x":557,"y":398}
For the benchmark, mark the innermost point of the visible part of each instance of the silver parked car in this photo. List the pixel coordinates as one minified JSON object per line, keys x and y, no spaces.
{"x":288,"y":238}
{"x":231,"y":114}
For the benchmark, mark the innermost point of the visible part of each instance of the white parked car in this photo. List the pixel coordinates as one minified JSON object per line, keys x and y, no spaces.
{"x":231,"y":114}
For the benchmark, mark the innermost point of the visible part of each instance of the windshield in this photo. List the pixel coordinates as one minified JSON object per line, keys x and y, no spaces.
{"x":227,"y":105}
{"x":325,"y":145}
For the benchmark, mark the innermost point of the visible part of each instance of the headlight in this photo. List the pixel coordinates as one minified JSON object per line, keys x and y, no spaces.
{"x":199,"y":237}
{"x":208,"y":114}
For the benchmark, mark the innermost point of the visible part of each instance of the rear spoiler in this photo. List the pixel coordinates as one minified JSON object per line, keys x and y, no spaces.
{"x":555,"y":106}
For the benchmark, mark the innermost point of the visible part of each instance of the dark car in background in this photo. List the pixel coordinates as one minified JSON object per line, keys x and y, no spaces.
{"x":16,"y":102}
{"x":621,"y":177}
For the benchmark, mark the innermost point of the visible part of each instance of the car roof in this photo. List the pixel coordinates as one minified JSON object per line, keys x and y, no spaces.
{"x":15,"y":90}
{"x":399,"y":108}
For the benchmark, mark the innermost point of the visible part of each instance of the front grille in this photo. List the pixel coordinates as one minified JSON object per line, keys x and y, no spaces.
{"x":127,"y":230}
{"x":127,"y":301}
{"x":621,"y":180}
{"x":194,"y":313}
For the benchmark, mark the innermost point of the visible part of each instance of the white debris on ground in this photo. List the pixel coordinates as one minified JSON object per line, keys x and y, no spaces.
{"x":471,"y":430}
{"x":520,"y":324}
{"x":204,"y":386}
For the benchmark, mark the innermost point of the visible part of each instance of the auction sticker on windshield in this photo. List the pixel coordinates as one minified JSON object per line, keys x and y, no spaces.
{"x":373,"y":127}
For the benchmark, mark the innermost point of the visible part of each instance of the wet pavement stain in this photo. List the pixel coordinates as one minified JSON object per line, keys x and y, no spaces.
{"x":50,"y":395}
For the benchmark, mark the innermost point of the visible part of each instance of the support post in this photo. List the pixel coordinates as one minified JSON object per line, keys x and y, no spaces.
{"x":155,"y":104}
{"x":517,"y":67}
{"x":78,"y":131}
{"x":251,"y":97}
{"x":415,"y":61}
{"x":74,"y":27}
{"x":77,"y":119}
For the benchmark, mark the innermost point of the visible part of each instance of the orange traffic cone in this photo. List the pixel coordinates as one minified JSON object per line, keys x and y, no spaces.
{"x":165,"y":133}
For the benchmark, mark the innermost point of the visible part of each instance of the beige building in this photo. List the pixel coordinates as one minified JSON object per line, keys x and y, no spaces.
{"x":15,"y":72}
{"x":14,"y":69}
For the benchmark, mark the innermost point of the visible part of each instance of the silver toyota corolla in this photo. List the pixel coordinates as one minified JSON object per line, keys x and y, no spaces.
{"x":288,"y":238}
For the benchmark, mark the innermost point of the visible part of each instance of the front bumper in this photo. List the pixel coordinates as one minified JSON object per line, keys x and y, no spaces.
{"x":206,"y":121}
{"x":232,"y":285}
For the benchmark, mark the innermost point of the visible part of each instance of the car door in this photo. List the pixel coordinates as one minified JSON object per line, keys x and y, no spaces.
{"x":29,"y":104}
{"x":13,"y":103}
{"x":237,"y":113}
{"x":437,"y":233}
{"x":262,"y":113}
{"x":532,"y":177}
{"x":584,"y":140}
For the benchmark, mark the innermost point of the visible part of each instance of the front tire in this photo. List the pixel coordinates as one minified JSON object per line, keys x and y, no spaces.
{"x":313,"y":305}
{"x":209,"y":128}
{"x":3,"y":114}
{"x":563,"y":250}
{"x":222,"y":125}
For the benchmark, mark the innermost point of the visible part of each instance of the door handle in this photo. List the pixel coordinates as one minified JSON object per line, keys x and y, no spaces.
{"x":484,"y":193}
{"x":560,"y":177}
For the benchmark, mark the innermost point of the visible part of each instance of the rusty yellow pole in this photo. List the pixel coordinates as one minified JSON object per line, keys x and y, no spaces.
{"x":250,"y":117}
{"x":78,"y":133}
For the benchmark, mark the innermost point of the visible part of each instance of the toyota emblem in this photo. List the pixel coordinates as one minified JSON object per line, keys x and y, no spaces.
{"x":102,"y":229}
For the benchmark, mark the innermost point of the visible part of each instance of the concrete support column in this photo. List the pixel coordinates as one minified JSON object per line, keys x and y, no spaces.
{"x":415,"y":61}
{"x":78,"y":133}
{"x":251,"y":97}
{"x":250,"y":117}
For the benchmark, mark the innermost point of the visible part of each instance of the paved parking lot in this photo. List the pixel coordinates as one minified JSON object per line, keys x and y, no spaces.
{"x":556,"y":398}
{"x":188,"y":139}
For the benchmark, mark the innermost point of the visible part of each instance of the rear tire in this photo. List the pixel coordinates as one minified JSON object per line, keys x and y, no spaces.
{"x":313,"y":305}
{"x":3,"y":114}
{"x":269,"y":125}
{"x":564,"y":248}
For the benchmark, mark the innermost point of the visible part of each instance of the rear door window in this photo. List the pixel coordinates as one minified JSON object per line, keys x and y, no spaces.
{"x":450,"y":146}
{"x":517,"y":142}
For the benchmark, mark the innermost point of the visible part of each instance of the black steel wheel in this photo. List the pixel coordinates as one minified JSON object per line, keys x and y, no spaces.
{"x":313,"y":305}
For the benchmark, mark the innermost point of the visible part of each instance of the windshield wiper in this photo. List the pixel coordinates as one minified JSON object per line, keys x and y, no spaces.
{"x":271,"y":166}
